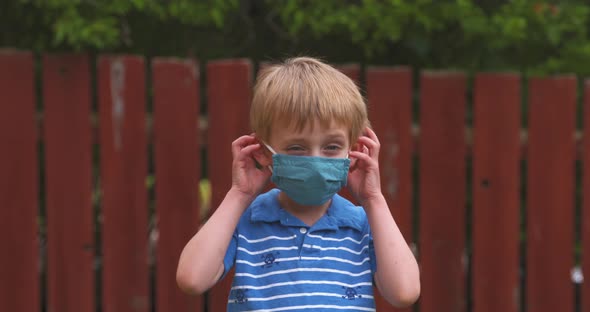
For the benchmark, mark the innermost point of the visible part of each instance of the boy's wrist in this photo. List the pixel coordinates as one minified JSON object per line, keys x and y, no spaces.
{"x":374,"y":201}
{"x":236,"y":195}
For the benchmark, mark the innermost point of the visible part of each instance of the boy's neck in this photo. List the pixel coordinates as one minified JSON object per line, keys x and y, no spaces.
{"x":307,"y":214}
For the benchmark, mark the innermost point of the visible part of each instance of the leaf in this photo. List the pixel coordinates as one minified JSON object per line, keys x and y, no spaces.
{"x":217,"y":17}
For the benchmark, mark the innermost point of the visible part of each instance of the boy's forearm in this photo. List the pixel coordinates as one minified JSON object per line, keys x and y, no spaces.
{"x":397,"y":273}
{"x":201,"y":261}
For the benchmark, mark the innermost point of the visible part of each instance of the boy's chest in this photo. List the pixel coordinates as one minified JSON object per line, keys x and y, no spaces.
{"x":296,"y":266}
{"x":295,"y":247}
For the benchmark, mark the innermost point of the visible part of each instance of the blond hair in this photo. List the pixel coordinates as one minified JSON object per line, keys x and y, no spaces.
{"x":301,"y":90}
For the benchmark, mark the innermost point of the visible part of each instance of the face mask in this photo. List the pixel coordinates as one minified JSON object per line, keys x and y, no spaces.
{"x":309,"y":180}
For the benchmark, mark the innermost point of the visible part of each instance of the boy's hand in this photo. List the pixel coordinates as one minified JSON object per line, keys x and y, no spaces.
{"x":246,"y":177}
{"x":363,"y":178}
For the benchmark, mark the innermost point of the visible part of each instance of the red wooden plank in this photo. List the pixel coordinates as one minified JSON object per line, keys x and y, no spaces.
{"x":123,"y":164}
{"x":389,"y":92}
{"x":177,"y":162}
{"x":442,"y":192}
{"x":496,"y":177}
{"x":586,"y":201}
{"x":67,"y":134}
{"x":550,"y":190}
{"x":353,"y":71}
{"x":19,"y":289}
{"x":229,"y":93}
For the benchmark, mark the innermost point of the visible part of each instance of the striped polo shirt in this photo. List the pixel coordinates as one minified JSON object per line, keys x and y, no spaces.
{"x":281,"y":264}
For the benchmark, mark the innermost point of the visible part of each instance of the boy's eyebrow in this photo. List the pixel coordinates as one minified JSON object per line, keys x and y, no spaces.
{"x":292,"y":140}
{"x":336,"y":135}
{"x":304,"y":139}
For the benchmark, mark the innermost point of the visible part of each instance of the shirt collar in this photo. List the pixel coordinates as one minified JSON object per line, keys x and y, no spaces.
{"x":341,"y":213}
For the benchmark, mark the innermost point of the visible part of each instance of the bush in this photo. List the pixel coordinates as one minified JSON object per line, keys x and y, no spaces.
{"x":539,"y":37}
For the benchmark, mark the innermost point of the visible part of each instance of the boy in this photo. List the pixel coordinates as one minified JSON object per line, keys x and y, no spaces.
{"x":301,"y":246}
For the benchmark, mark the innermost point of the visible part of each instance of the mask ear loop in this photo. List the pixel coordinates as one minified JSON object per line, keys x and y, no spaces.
{"x":272,"y":151}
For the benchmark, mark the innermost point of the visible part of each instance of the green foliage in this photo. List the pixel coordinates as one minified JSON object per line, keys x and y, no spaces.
{"x":104,"y":24}
{"x":532,"y":35}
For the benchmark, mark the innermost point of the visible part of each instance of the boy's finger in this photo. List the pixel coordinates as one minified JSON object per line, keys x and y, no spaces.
{"x":261,"y":157}
{"x":246,"y":152}
{"x":240,"y":143}
{"x":360,"y":156}
{"x":371,"y":134}
{"x":356,"y":147}
{"x":372,"y":146}
{"x":353,"y":162}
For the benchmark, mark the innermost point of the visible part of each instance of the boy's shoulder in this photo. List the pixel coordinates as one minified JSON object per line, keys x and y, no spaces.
{"x":347,"y":214}
{"x":264,"y":208}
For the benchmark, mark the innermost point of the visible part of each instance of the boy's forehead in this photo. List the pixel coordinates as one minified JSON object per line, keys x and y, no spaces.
{"x":293,"y":128}
{"x":293,"y":125}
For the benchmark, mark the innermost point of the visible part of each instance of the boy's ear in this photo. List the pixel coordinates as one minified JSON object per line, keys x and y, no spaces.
{"x":261,"y":160}
{"x":257,"y":138}
{"x":262,"y":157}
{"x":353,"y":162}
{"x":262,"y":143}
{"x":356,"y":147}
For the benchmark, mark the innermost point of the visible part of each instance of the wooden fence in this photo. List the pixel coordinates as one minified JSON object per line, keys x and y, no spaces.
{"x":495,"y":211}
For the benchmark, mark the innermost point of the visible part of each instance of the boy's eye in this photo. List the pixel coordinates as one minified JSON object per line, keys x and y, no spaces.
{"x":333,"y":147}
{"x":295,"y":148}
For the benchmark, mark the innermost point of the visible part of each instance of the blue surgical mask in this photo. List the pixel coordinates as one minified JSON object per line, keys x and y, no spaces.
{"x":309,"y":180}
